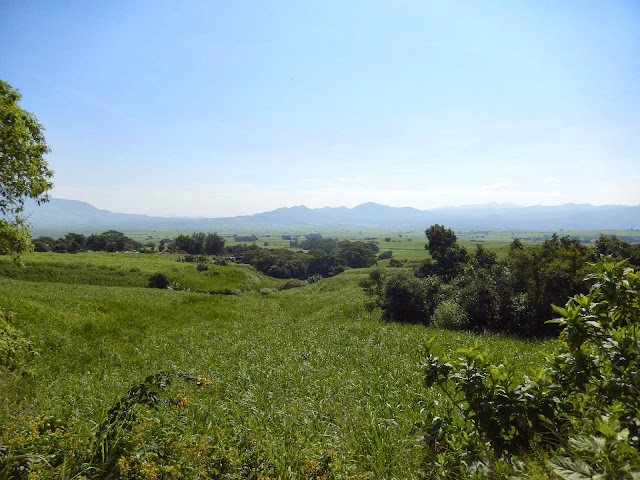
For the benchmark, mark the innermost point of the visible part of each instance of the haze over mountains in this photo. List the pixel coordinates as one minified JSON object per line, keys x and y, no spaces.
{"x":73,"y":215}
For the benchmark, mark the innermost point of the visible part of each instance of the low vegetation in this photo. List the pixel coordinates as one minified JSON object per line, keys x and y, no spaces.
{"x":229,"y":373}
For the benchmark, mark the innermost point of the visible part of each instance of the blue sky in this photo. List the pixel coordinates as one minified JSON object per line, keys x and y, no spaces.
{"x":216,"y":108}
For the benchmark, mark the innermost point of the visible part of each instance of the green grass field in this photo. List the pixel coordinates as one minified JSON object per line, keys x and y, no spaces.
{"x":306,"y":382}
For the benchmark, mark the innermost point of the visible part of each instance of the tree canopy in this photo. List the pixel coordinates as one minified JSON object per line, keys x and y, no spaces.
{"x":24,"y":173}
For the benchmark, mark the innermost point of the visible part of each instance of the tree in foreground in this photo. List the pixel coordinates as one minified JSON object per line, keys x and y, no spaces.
{"x":24,"y":173}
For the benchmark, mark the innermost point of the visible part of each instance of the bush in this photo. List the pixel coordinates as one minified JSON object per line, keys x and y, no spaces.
{"x":385,"y":255}
{"x":579,"y":417}
{"x":158,"y":280}
{"x":201,"y":267}
{"x":448,"y":314}
{"x":292,"y":283}
{"x":406,"y":298}
{"x":314,"y":278}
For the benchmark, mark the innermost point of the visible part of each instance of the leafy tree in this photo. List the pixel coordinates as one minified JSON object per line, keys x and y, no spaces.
{"x":43,"y":244}
{"x":325,"y":265}
{"x":449,"y":257}
{"x":213,"y":244}
{"x":197,"y":243}
{"x":23,"y":171}
{"x":619,"y":249}
{"x":182,"y":243}
{"x":356,"y":254}
{"x":316,"y":242}
{"x":482,"y":258}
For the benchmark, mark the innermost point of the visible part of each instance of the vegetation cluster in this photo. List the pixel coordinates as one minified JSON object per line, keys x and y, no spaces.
{"x":577,"y":418}
{"x":477,"y":291}
{"x":110,"y":241}
{"x":325,"y":257}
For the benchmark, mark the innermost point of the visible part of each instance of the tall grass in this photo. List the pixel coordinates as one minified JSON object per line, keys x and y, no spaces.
{"x":305,"y":382}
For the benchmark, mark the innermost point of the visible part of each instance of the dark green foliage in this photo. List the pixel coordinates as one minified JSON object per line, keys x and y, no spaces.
{"x":583,"y":409}
{"x":111,"y":241}
{"x":316,"y":242}
{"x":245,"y":238}
{"x":406,"y":298}
{"x":356,"y":254}
{"x":325,"y":265}
{"x":293,"y":283}
{"x":43,"y":244}
{"x":449,"y":257}
{"x":278,"y":263}
{"x":202,"y":267}
{"x":395,"y":263}
{"x":513,"y":295}
{"x":619,"y":249}
{"x":198,"y":243}
{"x":385,"y":255}
{"x":158,"y":280}
{"x":482,"y":258}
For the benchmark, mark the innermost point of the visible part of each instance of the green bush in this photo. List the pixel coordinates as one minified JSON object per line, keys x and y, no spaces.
{"x":158,"y":280}
{"x":201,"y":267}
{"x":292,"y":283}
{"x":448,"y":314}
{"x":578,"y":418}
{"x":406,"y":298}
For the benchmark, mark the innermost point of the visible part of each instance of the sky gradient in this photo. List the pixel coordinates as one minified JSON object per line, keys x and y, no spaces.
{"x":212,"y":108}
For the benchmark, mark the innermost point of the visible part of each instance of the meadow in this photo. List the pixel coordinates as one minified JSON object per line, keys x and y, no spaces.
{"x":302,"y":383}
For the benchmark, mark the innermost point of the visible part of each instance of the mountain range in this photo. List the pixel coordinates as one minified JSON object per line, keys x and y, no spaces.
{"x":73,"y":215}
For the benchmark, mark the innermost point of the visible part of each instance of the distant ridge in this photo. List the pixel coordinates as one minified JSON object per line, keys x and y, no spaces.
{"x":73,"y":215}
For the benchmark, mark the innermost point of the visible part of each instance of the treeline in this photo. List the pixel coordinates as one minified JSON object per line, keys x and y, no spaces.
{"x":110,"y":241}
{"x":325,"y":257}
{"x":461,"y":290}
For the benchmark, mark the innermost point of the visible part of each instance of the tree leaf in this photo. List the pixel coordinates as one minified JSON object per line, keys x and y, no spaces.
{"x":571,"y":468}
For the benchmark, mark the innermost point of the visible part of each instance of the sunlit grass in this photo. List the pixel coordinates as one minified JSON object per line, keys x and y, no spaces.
{"x":298,"y":376}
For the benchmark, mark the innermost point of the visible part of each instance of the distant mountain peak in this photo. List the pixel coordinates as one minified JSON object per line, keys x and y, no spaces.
{"x":73,"y":215}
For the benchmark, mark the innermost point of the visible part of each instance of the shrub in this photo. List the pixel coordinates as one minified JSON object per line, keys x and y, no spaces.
{"x":314,"y":278}
{"x":385,"y":255}
{"x":579,"y":417}
{"x":448,"y":314}
{"x":292,"y":283}
{"x":201,"y":267}
{"x":395,"y":263}
{"x":158,"y":280}
{"x":406,"y":298}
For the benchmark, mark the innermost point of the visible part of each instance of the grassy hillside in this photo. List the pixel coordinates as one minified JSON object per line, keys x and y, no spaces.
{"x":299,"y":383}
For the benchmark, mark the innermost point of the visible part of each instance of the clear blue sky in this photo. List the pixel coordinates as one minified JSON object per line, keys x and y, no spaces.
{"x":221,"y":108}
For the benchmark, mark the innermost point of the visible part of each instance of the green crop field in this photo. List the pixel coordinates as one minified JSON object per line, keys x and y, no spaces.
{"x":304,"y":382}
